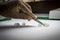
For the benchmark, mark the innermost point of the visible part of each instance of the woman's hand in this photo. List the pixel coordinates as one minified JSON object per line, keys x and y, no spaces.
{"x":18,"y":10}
{"x":26,"y":9}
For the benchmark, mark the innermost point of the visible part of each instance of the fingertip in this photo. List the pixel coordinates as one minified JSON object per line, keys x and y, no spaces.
{"x":35,"y":16}
{"x":29,"y":18}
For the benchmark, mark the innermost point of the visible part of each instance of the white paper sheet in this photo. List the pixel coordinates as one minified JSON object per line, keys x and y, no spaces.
{"x":36,"y":32}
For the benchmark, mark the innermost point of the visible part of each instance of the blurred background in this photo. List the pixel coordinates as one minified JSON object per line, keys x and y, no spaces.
{"x":41,"y":6}
{"x":45,"y":8}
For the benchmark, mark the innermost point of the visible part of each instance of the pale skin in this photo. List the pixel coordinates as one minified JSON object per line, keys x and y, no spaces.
{"x":18,"y":10}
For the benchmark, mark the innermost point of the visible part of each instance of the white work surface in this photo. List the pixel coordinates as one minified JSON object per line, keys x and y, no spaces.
{"x":50,"y":32}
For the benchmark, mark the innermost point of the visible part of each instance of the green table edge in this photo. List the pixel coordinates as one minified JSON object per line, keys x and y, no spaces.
{"x":46,"y":18}
{"x":41,"y":18}
{"x":5,"y":19}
